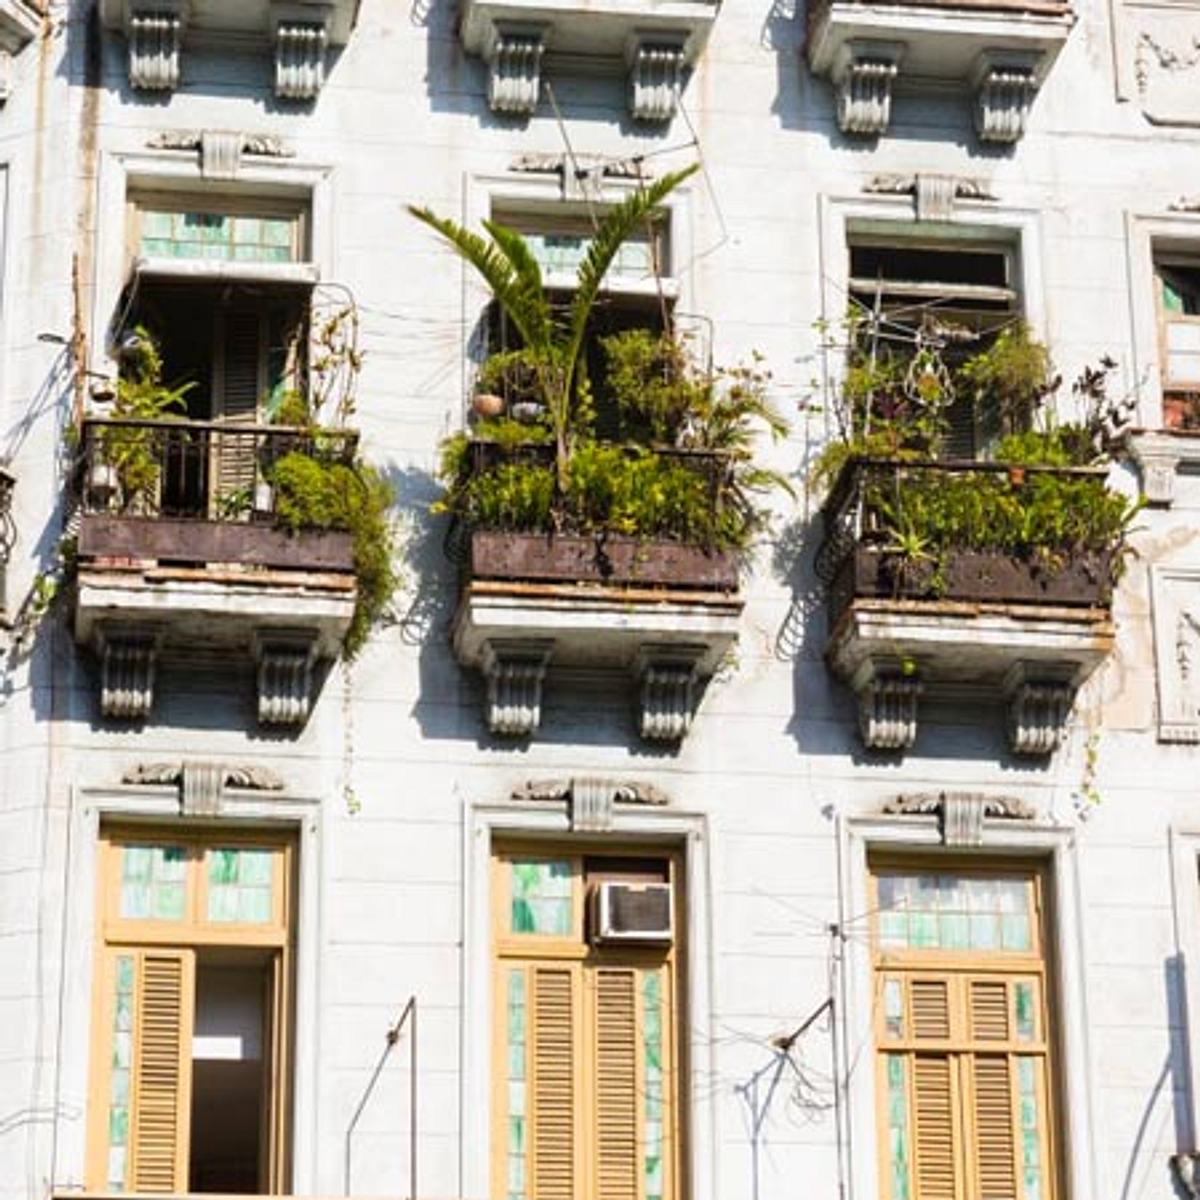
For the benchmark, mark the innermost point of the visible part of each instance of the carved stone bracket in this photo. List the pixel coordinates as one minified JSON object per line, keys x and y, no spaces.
{"x":887,"y":706}
{"x":514,"y":56}
{"x":515,"y":670}
{"x":202,"y":784}
{"x":1159,"y":458}
{"x":286,"y":659}
{"x":863,"y":75}
{"x":960,"y":814}
{"x":220,"y":150}
{"x":301,"y":45}
{"x":668,"y":681}
{"x":155,"y":34}
{"x":935,"y":196}
{"x":1039,"y":709}
{"x":592,"y":800}
{"x":128,"y":658}
{"x":1005,"y":85}
{"x":655,"y":76}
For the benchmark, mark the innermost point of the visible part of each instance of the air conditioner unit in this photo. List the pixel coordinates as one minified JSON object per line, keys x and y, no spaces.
{"x":632,"y":912}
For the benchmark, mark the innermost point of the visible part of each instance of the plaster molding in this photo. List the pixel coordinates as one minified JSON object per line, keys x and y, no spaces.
{"x":1176,"y":620}
{"x":202,"y":784}
{"x":863,"y":75}
{"x":155,"y":38}
{"x":1159,"y":458}
{"x":668,"y":680}
{"x":887,"y":706}
{"x":514,"y":58}
{"x":1166,"y":64}
{"x":960,"y":814}
{"x":630,"y":791}
{"x":655,"y":75}
{"x":220,"y":150}
{"x":515,"y":670}
{"x":1006,"y":84}
{"x":128,"y":659}
{"x":934,"y":196}
{"x":286,"y":659}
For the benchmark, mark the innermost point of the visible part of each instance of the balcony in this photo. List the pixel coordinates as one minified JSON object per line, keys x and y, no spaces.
{"x":659,"y":611}
{"x":918,"y":607}
{"x":180,"y":551}
{"x":298,"y":33}
{"x":654,"y":41}
{"x":999,"y":50}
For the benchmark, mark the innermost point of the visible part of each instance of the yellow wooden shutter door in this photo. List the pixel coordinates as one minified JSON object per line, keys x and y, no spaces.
{"x":617,"y":1092}
{"x":933,"y":1128}
{"x":241,"y":384}
{"x":989,"y":1010}
{"x":554,"y":1091}
{"x":995,"y":1153}
{"x":162,"y":1071}
{"x":930,"y":1008}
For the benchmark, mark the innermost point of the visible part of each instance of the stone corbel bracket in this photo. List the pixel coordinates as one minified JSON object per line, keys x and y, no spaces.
{"x":286,"y":661}
{"x":668,"y":684}
{"x":1039,"y":701}
{"x":863,"y":74}
{"x":1159,"y":458}
{"x":1005,"y":84}
{"x":301,"y":39}
{"x":202,"y":784}
{"x":515,"y":670}
{"x":960,"y":814}
{"x":656,"y":65}
{"x":128,"y":660}
{"x":887,"y":705}
{"x":592,"y":801}
{"x":154,"y":32}
{"x":514,"y":58}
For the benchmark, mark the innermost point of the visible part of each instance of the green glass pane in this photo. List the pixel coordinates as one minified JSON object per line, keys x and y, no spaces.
{"x":984,"y":932}
{"x":122,"y":1050}
{"x":541,"y":898}
{"x":955,"y":931}
{"x":222,"y":904}
{"x":255,"y":867}
{"x":898,"y":1126}
{"x":158,"y":247}
{"x":123,"y":1016}
{"x":893,"y":929}
{"x":169,"y":901}
{"x":222,"y":866}
{"x":516,"y":1175}
{"x":277,"y":232}
{"x":924,"y":929}
{"x":156,"y":224}
{"x":125,"y":973}
{"x":170,"y":862}
{"x":516,"y":1097}
{"x":118,"y":1125}
{"x":120,"y":1087}
{"x":248,"y":230}
{"x":1015,"y":931}
{"x":136,"y":862}
{"x":255,"y":905}
{"x":516,"y":1135}
{"x":1033,"y":1184}
{"x":1023,"y":1003}
{"x":893,"y":1007}
{"x":116,"y":1168}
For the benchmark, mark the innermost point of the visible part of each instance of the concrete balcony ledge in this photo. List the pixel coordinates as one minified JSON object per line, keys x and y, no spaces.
{"x":655,"y":41}
{"x":253,"y":592}
{"x":663,"y":619}
{"x":1000,"y":52}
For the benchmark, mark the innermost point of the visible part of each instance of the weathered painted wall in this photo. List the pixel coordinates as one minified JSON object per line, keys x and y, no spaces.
{"x":397,"y":752}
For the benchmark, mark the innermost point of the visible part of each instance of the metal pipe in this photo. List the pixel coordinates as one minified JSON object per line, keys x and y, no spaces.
{"x":408,"y":1014}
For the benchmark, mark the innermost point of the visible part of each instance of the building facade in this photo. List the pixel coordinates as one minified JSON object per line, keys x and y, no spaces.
{"x":739,"y":886}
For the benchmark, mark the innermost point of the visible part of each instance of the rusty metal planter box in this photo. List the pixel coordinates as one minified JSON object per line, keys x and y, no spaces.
{"x":242,"y":543}
{"x":1083,"y":581}
{"x":612,"y":561}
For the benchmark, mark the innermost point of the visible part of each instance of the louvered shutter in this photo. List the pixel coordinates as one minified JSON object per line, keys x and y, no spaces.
{"x":935,"y":1160}
{"x":554,"y":1086}
{"x":989,"y":1010}
{"x":616,"y":1083}
{"x":161,"y":1083}
{"x":930,"y":999}
{"x":242,"y":363}
{"x":995,"y":1154}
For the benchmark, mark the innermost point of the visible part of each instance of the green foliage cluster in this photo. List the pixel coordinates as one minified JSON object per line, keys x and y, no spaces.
{"x":681,"y":469}
{"x":313,"y":491}
{"x":896,"y":411}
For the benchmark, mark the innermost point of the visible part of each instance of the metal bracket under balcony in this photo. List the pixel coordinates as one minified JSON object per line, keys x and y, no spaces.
{"x":662,"y":615}
{"x":999,"y":51}
{"x":182,"y":556}
{"x":652,"y":41}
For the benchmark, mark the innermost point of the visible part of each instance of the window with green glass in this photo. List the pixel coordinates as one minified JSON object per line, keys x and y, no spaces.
{"x":154,"y":883}
{"x":240,"y":884}
{"x":222,"y":236}
{"x":541,"y":897}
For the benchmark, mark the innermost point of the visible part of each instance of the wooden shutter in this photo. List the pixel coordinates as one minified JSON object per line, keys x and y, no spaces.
{"x":930,"y":999}
{"x":995,"y":1154}
{"x":553,"y":1078}
{"x":242,"y":360}
{"x":276,"y":1084}
{"x":933,"y":1128}
{"x":617,"y":1093}
{"x":989,"y":1010}
{"x":161,"y":1083}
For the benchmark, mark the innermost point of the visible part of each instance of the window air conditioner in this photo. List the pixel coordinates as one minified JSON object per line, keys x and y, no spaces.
{"x":632,"y":912}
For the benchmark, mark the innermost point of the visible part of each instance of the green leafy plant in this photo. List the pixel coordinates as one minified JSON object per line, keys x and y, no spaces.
{"x":314,"y":492}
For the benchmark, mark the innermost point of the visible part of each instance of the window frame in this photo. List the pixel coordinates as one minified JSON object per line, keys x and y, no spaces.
{"x":275,"y":816}
{"x":864,"y":839}
{"x":1190,"y":261}
{"x":649,"y":830}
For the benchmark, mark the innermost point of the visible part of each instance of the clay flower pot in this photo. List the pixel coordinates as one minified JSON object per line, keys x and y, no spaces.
{"x":488,"y":404}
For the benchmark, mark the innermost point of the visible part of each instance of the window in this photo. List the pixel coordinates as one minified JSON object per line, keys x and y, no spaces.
{"x":951,"y":296}
{"x":191,"y":1061}
{"x":961,"y":1021}
{"x":215,"y":229}
{"x":585,"y":1049}
{"x":1177,"y":282}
